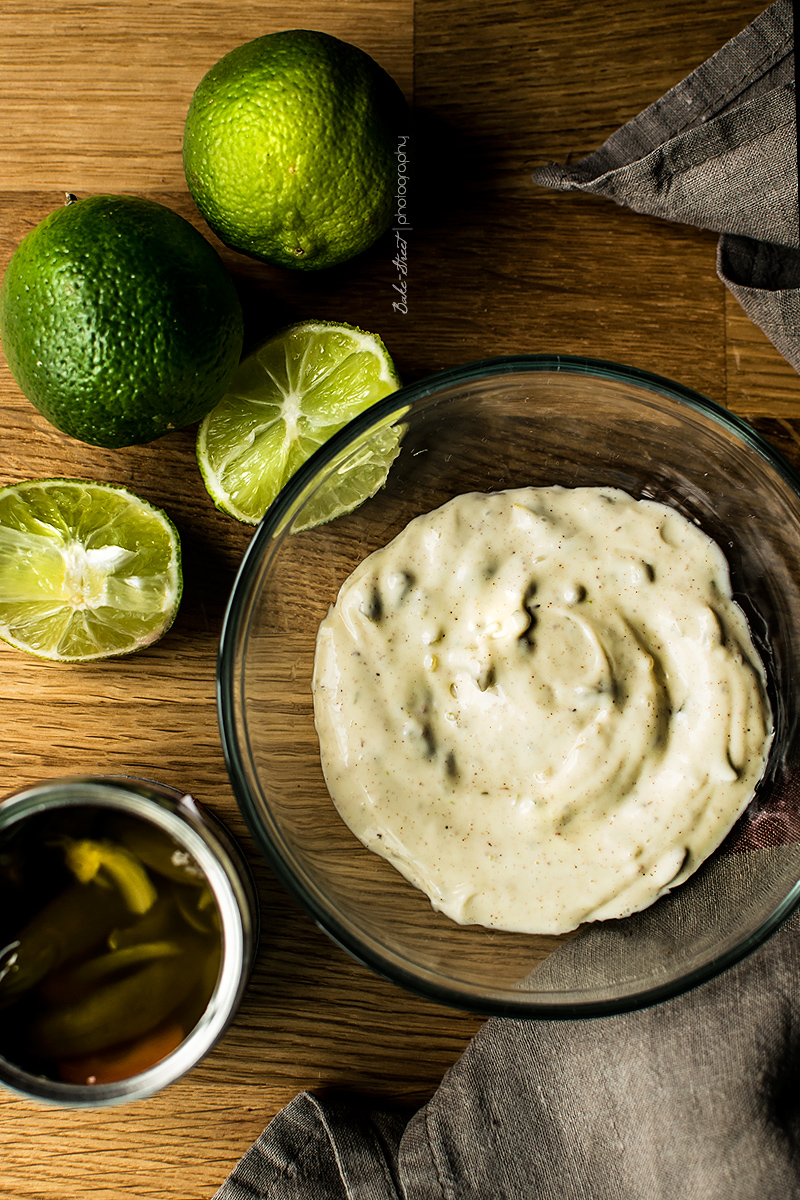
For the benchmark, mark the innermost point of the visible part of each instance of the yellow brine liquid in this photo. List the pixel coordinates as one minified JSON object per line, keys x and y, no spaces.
{"x":109,"y":944}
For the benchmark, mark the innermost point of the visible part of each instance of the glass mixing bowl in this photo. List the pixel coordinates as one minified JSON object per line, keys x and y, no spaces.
{"x":504,"y":423}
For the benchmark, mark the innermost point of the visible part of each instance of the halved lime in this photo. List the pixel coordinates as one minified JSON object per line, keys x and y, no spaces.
{"x":286,"y":399}
{"x":87,"y":570}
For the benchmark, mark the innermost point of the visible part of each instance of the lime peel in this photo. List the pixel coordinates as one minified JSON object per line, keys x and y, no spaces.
{"x":289,"y":149}
{"x":119,"y":320}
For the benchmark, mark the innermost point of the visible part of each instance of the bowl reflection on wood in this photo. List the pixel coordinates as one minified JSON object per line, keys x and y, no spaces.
{"x":533,"y":421}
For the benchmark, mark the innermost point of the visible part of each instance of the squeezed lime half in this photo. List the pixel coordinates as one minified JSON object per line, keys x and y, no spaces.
{"x":287,"y":399}
{"x":87,"y":570}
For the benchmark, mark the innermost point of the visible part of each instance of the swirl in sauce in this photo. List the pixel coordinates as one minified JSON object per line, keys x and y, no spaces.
{"x":542,"y":705}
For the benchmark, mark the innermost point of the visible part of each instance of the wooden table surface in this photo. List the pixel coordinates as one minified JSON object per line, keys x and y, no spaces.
{"x":93,"y":96}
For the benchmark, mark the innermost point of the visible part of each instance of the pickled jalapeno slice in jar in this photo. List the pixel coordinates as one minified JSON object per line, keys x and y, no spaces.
{"x":110,"y":944}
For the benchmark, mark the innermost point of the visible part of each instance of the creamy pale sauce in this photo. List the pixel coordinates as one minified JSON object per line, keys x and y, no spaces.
{"x":541,"y":705}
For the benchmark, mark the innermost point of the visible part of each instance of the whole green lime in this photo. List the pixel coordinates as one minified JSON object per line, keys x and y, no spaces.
{"x":290,"y":149}
{"x":119,"y":320}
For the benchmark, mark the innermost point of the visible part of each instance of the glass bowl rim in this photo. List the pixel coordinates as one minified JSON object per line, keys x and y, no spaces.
{"x":524,"y":1004}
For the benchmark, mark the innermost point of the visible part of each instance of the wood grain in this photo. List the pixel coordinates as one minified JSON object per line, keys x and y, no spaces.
{"x":94,"y":97}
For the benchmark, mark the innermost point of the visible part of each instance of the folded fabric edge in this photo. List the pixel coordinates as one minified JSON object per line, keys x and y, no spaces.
{"x":753,"y":54}
{"x":765,"y":280}
{"x":684,"y":178}
{"x":323,"y":1147}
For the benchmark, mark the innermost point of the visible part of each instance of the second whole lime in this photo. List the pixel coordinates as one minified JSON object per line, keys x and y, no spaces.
{"x":290,"y":149}
{"x":119,"y":320}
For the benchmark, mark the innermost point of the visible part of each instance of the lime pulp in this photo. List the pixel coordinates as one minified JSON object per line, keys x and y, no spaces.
{"x":286,"y":400}
{"x":87,"y":570}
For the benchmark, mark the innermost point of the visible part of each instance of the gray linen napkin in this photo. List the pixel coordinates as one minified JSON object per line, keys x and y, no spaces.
{"x":696,"y":1097}
{"x":720,"y":151}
